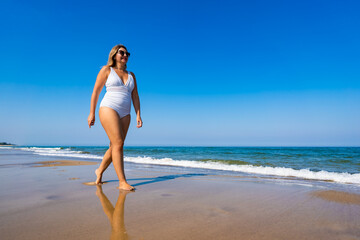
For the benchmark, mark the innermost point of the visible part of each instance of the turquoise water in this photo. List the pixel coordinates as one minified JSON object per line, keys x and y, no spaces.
{"x":333,"y":159}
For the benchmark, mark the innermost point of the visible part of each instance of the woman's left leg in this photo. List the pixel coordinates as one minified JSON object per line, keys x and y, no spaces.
{"x":106,"y":161}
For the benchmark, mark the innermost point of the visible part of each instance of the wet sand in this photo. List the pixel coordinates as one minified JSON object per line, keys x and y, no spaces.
{"x":53,"y":203}
{"x":338,"y":196}
{"x":62,"y":163}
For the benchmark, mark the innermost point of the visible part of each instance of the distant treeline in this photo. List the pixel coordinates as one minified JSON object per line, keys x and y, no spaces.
{"x":5,"y":143}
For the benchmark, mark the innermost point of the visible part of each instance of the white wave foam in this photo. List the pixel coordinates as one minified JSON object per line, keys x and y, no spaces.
{"x":57,"y":151}
{"x":277,"y":171}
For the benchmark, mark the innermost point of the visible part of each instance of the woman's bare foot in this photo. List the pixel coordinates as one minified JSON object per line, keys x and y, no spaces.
{"x":125,"y":186}
{"x":98,"y":176}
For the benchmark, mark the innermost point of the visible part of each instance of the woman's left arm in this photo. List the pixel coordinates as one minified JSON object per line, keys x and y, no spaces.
{"x":136,"y":103}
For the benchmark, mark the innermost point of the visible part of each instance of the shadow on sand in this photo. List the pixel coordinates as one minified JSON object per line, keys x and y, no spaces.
{"x":158,"y":179}
{"x":164,"y":178}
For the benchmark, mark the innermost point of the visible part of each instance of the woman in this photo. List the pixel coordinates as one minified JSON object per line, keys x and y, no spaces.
{"x":114,"y":110}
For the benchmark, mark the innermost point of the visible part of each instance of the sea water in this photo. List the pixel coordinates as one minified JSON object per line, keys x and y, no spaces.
{"x":334,"y":164}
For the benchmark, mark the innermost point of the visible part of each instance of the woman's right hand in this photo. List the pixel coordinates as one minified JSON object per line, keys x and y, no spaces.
{"x":99,"y":84}
{"x":91,"y":120}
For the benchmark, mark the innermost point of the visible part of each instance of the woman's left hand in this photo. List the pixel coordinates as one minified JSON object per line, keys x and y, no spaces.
{"x":139,"y":122}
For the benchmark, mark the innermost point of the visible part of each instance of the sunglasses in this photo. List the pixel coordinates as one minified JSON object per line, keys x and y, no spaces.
{"x":122,"y":53}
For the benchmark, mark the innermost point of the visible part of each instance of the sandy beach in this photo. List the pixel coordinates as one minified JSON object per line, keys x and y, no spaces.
{"x":54,"y":202}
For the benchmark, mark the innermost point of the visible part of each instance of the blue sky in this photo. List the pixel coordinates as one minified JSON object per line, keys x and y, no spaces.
{"x":239,"y":73}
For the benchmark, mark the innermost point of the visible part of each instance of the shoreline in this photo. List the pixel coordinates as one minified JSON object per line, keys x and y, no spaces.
{"x":52,"y":202}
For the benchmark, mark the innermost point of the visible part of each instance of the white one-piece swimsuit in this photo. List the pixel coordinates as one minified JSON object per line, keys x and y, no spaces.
{"x":118,"y":94}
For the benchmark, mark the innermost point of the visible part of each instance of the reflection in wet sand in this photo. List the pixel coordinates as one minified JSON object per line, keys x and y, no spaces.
{"x":338,"y":196}
{"x":115,"y":215}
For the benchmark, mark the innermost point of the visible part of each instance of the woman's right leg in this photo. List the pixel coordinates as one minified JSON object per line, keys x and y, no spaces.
{"x":111,"y":122}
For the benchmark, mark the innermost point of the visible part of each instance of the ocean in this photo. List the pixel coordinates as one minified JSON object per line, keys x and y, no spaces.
{"x":329,"y":164}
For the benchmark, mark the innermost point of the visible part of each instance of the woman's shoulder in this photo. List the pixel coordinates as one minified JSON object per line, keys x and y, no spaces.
{"x":132,"y":74}
{"x":105,"y":70}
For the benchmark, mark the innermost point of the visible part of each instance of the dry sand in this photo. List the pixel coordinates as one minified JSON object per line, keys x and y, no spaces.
{"x":53,"y":203}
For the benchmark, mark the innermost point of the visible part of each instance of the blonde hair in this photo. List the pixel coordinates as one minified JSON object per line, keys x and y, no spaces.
{"x":111,"y":61}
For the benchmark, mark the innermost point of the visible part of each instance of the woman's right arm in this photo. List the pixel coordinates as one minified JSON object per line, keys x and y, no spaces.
{"x":99,"y":84}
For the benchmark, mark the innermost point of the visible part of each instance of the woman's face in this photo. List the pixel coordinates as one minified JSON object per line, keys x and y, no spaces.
{"x":122,"y":58}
